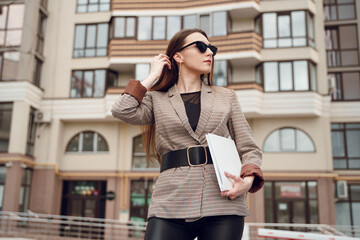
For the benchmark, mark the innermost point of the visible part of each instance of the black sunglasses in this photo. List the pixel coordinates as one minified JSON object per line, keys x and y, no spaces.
{"x":202,"y":47}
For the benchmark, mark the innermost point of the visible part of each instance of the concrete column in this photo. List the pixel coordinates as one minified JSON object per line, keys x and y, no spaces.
{"x":19,"y":127}
{"x":12,"y":187}
{"x":326,"y":201}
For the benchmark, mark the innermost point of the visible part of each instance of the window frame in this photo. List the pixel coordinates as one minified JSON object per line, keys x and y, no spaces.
{"x":341,"y":80}
{"x":107,"y":74}
{"x":41,"y":32}
{"x":88,"y":4}
{"x":85,"y":40}
{"x":291,"y":37}
{"x":31,"y":135}
{"x":309,"y":62}
{"x":346,"y":157}
{"x":10,"y":109}
{"x":6,"y":29}
{"x":338,"y":50}
{"x":336,"y":4}
{"x":81,"y":141}
{"x":295,"y":141}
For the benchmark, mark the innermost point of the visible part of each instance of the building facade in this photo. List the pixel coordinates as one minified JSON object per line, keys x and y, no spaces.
{"x":293,"y":64}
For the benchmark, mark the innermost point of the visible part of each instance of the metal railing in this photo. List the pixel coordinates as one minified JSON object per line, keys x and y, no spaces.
{"x":51,"y":227}
{"x":45,"y":226}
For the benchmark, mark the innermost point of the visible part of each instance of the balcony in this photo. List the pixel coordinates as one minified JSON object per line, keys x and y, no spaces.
{"x":126,"y":5}
{"x":231,"y":44}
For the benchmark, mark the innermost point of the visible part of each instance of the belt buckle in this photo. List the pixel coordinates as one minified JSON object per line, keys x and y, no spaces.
{"x":188,"y":157}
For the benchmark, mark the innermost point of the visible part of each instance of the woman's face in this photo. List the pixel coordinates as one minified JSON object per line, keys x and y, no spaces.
{"x":193,"y":59}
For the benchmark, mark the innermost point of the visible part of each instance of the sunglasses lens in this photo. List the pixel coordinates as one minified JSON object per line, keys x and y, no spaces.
{"x":213,"y":49}
{"x":201,"y":46}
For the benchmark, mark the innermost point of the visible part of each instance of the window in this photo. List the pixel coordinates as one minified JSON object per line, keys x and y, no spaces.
{"x":288,"y":29}
{"x":142,"y":70}
{"x":9,"y":63}
{"x":161,"y":27}
{"x":141,"y":192}
{"x":37,"y":72}
{"x":124,"y":27}
{"x":2,"y":182}
{"x":347,"y":210}
{"x":288,"y":76}
{"x":139,"y":156}
{"x":345,"y":86}
{"x":91,"y":40}
{"x":288,"y":140}
{"x":11,"y":23}
{"x":291,"y":202}
{"x":173,"y":26}
{"x":5,"y":124}
{"x":91,"y":83}
{"x":41,"y":33}
{"x":339,"y":10}
{"x":341,"y":45}
{"x":345,"y":145}
{"x":24,"y":198}
{"x":87,"y":142}
{"x":31,"y":136}
{"x":220,"y":73}
{"x":84,"y":6}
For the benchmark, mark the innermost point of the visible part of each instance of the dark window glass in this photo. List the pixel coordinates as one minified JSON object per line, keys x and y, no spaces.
{"x":347,"y":209}
{"x":5,"y":124}
{"x":295,"y":202}
{"x":345,"y":147}
{"x":141,"y":192}
{"x":84,"y":6}
{"x":341,"y":46}
{"x":289,"y":76}
{"x":87,"y":142}
{"x":287,"y":29}
{"x":24,"y":198}
{"x":41,"y":33}
{"x":2,"y":182}
{"x":91,"y":83}
{"x":31,"y":136}
{"x":91,"y":40}
{"x":37,"y":71}
{"x":344,"y":86}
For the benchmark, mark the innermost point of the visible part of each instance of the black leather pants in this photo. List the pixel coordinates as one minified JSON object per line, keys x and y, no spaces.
{"x":207,"y":228}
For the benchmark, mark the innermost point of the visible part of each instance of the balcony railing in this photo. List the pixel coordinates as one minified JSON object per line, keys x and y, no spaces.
{"x":234,"y":42}
{"x":122,"y":5}
{"x":51,"y":227}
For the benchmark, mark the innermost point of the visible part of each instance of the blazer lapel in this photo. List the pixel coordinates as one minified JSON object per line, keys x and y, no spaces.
{"x":206,"y":101}
{"x":178,"y":105}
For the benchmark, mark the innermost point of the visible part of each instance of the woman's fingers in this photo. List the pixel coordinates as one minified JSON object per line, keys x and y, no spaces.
{"x":233,"y":177}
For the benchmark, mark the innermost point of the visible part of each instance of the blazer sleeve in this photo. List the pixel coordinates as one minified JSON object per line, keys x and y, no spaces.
{"x":250,"y":153}
{"x":134,"y":106}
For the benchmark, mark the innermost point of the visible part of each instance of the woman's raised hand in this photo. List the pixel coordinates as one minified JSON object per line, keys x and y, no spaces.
{"x":156,"y":68}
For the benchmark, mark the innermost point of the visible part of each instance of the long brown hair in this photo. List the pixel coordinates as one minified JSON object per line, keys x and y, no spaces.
{"x":167,"y":79}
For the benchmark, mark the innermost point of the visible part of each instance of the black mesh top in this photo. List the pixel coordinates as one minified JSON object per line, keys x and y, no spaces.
{"x":192,"y":107}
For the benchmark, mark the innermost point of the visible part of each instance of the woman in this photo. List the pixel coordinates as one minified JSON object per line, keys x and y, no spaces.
{"x":179,"y":108}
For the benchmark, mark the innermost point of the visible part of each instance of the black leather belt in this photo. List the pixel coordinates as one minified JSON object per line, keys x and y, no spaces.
{"x":193,"y":156}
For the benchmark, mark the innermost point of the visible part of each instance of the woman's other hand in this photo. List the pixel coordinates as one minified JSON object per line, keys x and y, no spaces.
{"x":240,"y":186}
{"x":156,"y":68}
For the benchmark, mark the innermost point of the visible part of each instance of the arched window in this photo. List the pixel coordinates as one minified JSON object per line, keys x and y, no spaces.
{"x":288,"y":140}
{"x":139,"y":156}
{"x":87,"y":141}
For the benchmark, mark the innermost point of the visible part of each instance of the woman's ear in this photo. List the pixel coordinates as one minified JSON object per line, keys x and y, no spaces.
{"x":178,"y":57}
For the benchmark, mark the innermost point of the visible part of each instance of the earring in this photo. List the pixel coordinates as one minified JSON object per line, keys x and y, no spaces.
{"x":179,"y":70}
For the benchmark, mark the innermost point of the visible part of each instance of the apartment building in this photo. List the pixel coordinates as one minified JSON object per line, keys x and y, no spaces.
{"x":294,"y":65}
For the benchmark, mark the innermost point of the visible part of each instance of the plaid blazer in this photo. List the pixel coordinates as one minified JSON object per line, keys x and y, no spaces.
{"x":191,"y":192}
